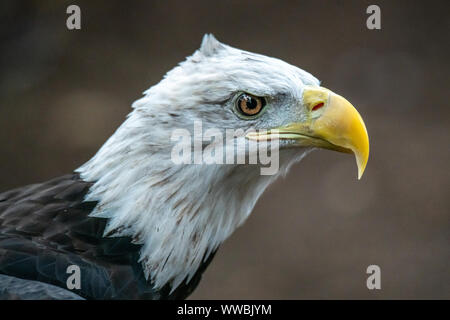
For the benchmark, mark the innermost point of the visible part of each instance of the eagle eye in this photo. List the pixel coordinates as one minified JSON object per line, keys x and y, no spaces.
{"x":250,"y":105}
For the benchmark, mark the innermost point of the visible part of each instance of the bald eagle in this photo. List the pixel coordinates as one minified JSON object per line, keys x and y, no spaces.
{"x":139,"y":226}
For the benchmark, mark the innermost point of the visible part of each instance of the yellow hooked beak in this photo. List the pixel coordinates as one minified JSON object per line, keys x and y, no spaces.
{"x":331,"y":123}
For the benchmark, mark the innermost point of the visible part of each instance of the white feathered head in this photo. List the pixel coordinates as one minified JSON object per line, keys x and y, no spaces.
{"x":182,"y":211}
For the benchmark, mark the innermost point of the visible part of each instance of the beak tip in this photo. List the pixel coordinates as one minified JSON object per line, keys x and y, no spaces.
{"x":361,"y":168}
{"x":360,"y":175}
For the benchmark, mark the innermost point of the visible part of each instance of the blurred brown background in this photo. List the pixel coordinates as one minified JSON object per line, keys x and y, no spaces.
{"x":313,"y":234}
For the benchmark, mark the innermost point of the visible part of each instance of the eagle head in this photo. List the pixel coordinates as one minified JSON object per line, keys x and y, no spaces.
{"x":181,"y":211}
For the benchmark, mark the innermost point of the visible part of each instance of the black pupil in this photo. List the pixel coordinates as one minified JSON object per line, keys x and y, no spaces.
{"x":250,"y":102}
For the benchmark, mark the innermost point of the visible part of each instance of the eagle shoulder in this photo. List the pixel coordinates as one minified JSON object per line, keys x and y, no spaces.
{"x":46,"y":227}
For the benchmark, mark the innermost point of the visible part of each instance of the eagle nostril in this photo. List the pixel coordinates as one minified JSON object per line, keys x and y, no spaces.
{"x":317,"y":106}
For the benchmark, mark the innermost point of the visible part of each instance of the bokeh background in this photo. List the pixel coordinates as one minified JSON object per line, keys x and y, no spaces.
{"x":313,"y":234}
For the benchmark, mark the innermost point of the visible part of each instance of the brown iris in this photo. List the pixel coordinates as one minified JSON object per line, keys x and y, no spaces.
{"x":250,"y":105}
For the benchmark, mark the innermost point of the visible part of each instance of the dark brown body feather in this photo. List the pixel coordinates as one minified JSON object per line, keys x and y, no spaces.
{"x":45,"y":228}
